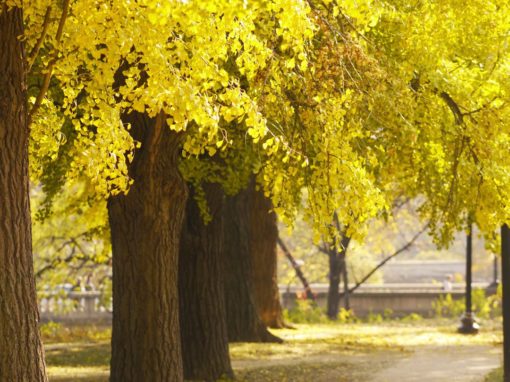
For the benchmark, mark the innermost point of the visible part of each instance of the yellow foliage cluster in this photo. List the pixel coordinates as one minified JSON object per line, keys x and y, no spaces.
{"x":356,"y":101}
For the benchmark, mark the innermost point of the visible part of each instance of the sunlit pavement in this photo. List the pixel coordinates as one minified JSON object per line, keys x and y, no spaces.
{"x":443,"y":364}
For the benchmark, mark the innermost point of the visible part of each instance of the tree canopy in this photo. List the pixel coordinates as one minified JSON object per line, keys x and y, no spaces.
{"x":337,"y":108}
{"x":358,"y":102}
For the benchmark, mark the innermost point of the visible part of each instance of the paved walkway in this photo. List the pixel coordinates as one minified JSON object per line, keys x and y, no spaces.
{"x":425,"y":364}
{"x":443,"y":364}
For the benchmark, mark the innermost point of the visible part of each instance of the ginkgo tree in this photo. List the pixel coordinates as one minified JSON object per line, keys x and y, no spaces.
{"x":455,"y":59}
{"x":135,"y":95}
{"x":450,"y":138}
{"x":329,"y":64}
{"x":21,"y":355}
{"x":145,"y":78}
{"x":118,"y":89}
{"x":352,"y":101}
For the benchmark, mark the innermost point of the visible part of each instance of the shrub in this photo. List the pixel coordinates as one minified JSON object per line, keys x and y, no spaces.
{"x":413,"y":317}
{"x":50,"y":329}
{"x":346,"y":316}
{"x":305,"y":312}
{"x":483,"y":306}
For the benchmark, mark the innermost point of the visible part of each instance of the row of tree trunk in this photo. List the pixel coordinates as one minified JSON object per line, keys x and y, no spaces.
{"x":181,"y":289}
{"x":178,"y":296}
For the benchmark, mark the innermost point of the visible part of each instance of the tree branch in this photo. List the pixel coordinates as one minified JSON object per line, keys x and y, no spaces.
{"x":396,"y":253}
{"x":49,"y":70}
{"x":323,"y":249}
{"x":457,"y":113}
{"x":35,"y":50}
{"x":53,"y":264}
{"x":297,"y":268}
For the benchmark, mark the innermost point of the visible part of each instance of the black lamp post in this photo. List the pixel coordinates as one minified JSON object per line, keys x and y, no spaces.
{"x":505,"y":271}
{"x":468,"y":324}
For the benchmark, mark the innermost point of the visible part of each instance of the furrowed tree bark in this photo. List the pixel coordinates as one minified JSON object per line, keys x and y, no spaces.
{"x":204,"y":336}
{"x":243,"y":321}
{"x":21,"y":352}
{"x":263,"y":248}
{"x":145,"y":229}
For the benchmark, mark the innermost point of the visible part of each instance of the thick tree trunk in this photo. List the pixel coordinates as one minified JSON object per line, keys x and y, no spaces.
{"x":243,"y":321}
{"x":336,"y":264}
{"x":21,"y":353}
{"x":204,"y":335}
{"x":345,"y":277}
{"x":145,"y":229}
{"x":263,"y":248}
{"x":335,"y":269}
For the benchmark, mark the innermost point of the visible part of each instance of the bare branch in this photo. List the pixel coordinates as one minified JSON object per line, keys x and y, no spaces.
{"x":457,"y":113}
{"x":396,"y":253}
{"x":323,"y":249}
{"x":55,"y":262}
{"x":49,"y":70}
{"x":35,"y":50}
{"x":297,"y":268}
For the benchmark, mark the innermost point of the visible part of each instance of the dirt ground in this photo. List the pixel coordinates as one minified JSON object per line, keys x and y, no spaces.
{"x":426,"y":351}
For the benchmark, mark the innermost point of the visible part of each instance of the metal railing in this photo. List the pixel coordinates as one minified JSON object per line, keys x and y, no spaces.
{"x":74,"y":306}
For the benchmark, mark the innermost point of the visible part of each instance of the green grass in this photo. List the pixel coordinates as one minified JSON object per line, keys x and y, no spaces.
{"x":78,"y":361}
{"x":318,"y":352}
{"x":312,"y":339}
{"x":343,"y":372}
{"x":77,"y":353}
{"x":56,"y":333}
{"x":495,"y":376}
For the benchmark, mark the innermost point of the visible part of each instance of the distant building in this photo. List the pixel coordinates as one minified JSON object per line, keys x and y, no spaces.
{"x":427,"y":271}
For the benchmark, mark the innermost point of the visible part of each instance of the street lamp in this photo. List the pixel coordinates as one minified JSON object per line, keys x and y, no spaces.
{"x":468,"y":324}
{"x":505,"y":271}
